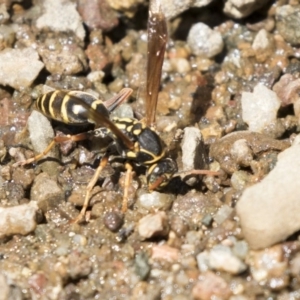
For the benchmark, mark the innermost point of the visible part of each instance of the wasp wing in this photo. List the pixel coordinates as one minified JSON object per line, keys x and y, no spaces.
{"x":157,"y":38}
{"x":102,"y":120}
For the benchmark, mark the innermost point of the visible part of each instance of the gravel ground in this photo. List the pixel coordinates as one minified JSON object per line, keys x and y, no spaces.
{"x":229,"y":103}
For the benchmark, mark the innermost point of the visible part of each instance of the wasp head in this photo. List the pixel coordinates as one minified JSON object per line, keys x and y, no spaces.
{"x":159,"y":174}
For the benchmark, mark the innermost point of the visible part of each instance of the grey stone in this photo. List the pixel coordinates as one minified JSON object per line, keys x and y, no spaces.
{"x":46,"y":192}
{"x":172,"y":8}
{"x":18,"y":219}
{"x":155,"y":200}
{"x":41,"y":134}
{"x":153,"y":225}
{"x":61,"y":16}
{"x":288,"y":22}
{"x":259,"y":108}
{"x":205,"y":41}
{"x":242,"y":8}
{"x":25,"y":61}
{"x":269,"y":210}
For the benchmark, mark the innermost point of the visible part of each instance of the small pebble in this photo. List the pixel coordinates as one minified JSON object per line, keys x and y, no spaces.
{"x":221,"y":150}
{"x":240,"y":249}
{"x":15,"y":193}
{"x":287,"y":90}
{"x":63,"y":59}
{"x":203,"y":261}
{"x":242,"y":8}
{"x":275,"y":219}
{"x":221,"y":258}
{"x":263,"y":45}
{"x":241,"y":152}
{"x":79,"y":265}
{"x":26,"y":61}
{"x":172,"y":9}
{"x":4,"y":287}
{"x":259,"y":108}
{"x":6,"y":172}
{"x":18,"y":219}
{"x":37,"y":282}
{"x":207,"y":220}
{"x":23,"y":176}
{"x":98,"y":14}
{"x":79,"y":240}
{"x":269,"y":267}
{"x":46,"y":192}
{"x":165,"y":253}
{"x":178,"y":226}
{"x":113,"y":221}
{"x":193,"y":237}
{"x":212,"y":183}
{"x":4,"y":15}
{"x":287,"y":23}
{"x":192,"y":157}
{"x":223,"y":214}
{"x":61,"y":16}
{"x":41,"y":131}
{"x":5,"y":111}
{"x":96,"y":76}
{"x":141,"y":265}
{"x":211,"y":286}
{"x":204,"y":41}
{"x":63,"y":249}
{"x":153,"y":225}
{"x":7,"y":37}
{"x":211,"y":131}
{"x":295,"y":265}
{"x":41,"y":134}
{"x":240,"y":179}
{"x":155,"y":200}
{"x":180,"y":65}
{"x":192,"y":207}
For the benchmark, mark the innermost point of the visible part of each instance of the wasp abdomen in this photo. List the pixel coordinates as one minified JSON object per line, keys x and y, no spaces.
{"x":70,"y":107}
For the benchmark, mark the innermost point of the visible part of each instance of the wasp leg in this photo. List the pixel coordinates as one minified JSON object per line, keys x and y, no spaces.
{"x":89,"y":188}
{"x":128,"y":179}
{"x":58,"y":139}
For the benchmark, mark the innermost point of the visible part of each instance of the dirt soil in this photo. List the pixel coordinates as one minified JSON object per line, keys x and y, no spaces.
{"x":185,"y":241}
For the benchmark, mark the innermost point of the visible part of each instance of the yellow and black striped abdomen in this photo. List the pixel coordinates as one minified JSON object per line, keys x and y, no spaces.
{"x":71,"y":107}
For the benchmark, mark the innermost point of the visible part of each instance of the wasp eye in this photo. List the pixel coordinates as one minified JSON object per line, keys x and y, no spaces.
{"x":161,"y":173}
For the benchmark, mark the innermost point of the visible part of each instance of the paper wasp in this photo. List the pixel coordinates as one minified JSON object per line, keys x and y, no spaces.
{"x":135,"y":140}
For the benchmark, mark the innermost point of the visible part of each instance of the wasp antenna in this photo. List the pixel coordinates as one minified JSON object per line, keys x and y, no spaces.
{"x":183,"y":174}
{"x":157,"y":39}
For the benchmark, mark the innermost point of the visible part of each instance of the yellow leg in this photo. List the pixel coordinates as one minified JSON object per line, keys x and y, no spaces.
{"x":89,"y":188}
{"x":128,"y":179}
{"x":37,"y":157}
{"x":58,"y":139}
